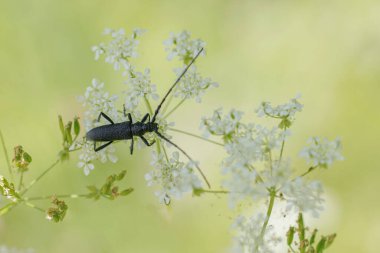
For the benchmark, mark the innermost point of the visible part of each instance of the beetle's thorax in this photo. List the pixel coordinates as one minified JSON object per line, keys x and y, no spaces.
{"x":139,"y":128}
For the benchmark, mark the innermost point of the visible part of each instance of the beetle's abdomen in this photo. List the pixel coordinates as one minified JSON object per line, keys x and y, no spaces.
{"x":113,"y":132}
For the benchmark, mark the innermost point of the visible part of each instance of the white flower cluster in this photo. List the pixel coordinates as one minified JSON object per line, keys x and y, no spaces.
{"x":303,"y":196}
{"x":97,"y":100}
{"x":192,"y":85}
{"x":222,"y":125}
{"x":249,"y":238}
{"x":287,"y":110}
{"x":87,"y":156}
{"x":321,"y":152}
{"x":118,"y":51}
{"x":183,"y":47}
{"x":139,"y":86}
{"x":254,"y":163}
{"x":173,"y":177}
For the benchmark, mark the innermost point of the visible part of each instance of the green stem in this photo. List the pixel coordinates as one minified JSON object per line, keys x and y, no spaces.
{"x":175,"y":108}
{"x":6,"y":156}
{"x":148,"y":105}
{"x":269,"y":212}
{"x":196,"y":136}
{"x":34,"y":206}
{"x":282,"y":148}
{"x":5,"y":209}
{"x":308,"y":171}
{"x":214,"y":191}
{"x":40,"y":176}
{"x":301,"y":233}
{"x":270,"y":161}
{"x":72,"y":196}
{"x":20,"y":183}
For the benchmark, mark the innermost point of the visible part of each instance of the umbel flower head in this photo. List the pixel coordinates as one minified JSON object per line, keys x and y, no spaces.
{"x":171,"y":176}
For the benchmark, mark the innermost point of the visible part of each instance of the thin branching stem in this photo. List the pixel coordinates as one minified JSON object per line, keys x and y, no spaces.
{"x":282,"y":148}
{"x":6,"y":156}
{"x":21,"y":179}
{"x":272,"y":192}
{"x":215,"y":191}
{"x":40,"y":176}
{"x":308,"y":171}
{"x":148,"y":105}
{"x":71,"y":196}
{"x":175,"y":108}
{"x":34,"y":206}
{"x":194,"y":135}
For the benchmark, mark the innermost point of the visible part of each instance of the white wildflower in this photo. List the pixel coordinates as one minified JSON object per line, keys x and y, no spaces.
{"x":192,"y":84}
{"x":87,"y":156}
{"x":97,"y":100}
{"x":322,"y":152}
{"x":183,"y":47}
{"x":242,"y":183}
{"x":173,"y":177}
{"x":303,"y":196}
{"x":219,"y":124}
{"x":139,"y":86}
{"x":249,"y":239}
{"x":118,"y":51}
{"x":287,"y":110}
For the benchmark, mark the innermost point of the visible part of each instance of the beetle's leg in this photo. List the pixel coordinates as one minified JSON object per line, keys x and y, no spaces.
{"x":131,"y":147}
{"x":145,"y":117}
{"x":130,"y":117}
{"x":146,"y":142}
{"x":101,"y":147}
{"x":105,"y":116}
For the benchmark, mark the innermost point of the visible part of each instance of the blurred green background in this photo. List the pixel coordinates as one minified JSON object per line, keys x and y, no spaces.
{"x":329,"y":51}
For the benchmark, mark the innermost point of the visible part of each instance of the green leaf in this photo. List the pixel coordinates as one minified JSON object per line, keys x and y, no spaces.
{"x":321,"y":245}
{"x":61,"y":126}
{"x":68,"y":136}
{"x":290,"y":235}
{"x":5,"y":209}
{"x":313,"y":235}
{"x":27,"y":157}
{"x":126,"y":192}
{"x":330,"y":240}
{"x":121,"y":175}
{"x":76,"y":126}
{"x":92,"y":188}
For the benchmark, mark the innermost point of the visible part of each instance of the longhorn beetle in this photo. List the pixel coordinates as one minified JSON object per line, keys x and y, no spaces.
{"x":127,"y":130}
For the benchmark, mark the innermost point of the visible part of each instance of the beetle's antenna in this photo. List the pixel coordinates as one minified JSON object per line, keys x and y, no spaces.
{"x":175,"y":83}
{"x":183,"y":151}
